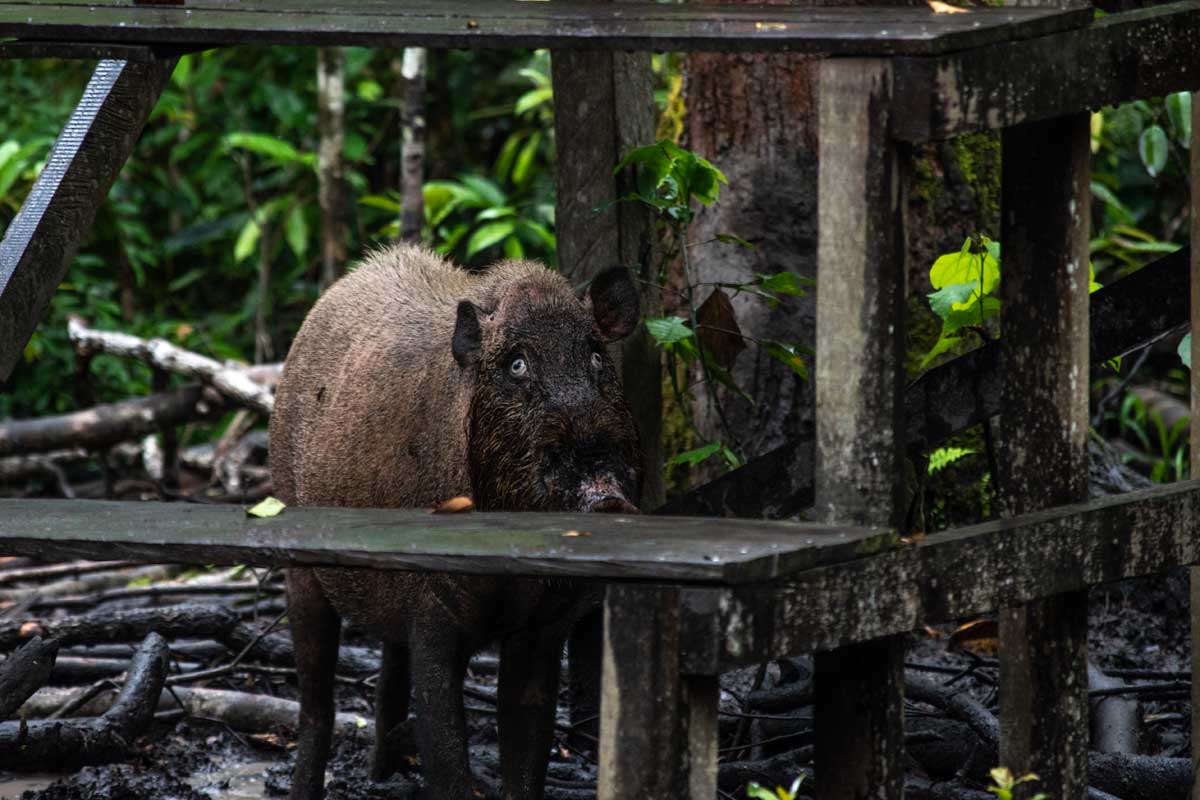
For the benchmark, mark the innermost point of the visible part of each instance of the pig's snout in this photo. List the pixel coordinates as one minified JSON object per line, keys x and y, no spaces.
{"x":611,"y":505}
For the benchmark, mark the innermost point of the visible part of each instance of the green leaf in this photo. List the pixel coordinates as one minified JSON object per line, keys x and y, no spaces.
{"x":668,"y":330}
{"x":1103,"y":193}
{"x":943,"y":344}
{"x":520,"y":170}
{"x":296,"y":230}
{"x":1185,"y":350}
{"x":246,"y":241}
{"x":945,"y":456}
{"x":956,"y":295}
{"x":488,"y":235}
{"x":788,"y":354}
{"x":729,"y":238}
{"x":965,"y":266}
{"x":270,"y":146}
{"x":532,"y":99}
{"x":1152,"y":147}
{"x":487,"y":192}
{"x":696,"y":456}
{"x":787,"y":283}
{"x":1179,"y":113}
{"x":380,"y":201}
{"x":267,"y":508}
{"x":369,"y":90}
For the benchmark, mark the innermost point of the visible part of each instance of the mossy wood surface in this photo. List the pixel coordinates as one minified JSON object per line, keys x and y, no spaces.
{"x":552,"y":545}
{"x":505,"y":23}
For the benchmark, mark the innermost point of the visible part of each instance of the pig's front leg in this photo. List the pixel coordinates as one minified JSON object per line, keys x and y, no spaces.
{"x":529,"y":667}
{"x":438,"y":655}
{"x":315,"y":630}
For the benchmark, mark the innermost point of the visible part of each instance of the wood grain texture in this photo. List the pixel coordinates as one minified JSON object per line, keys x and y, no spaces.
{"x":951,"y":575}
{"x":1043,"y":462}
{"x":859,"y":383}
{"x":561,"y":24}
{"x":1194,"y":394}
{"x":40,"y":242}
{"x":1121,"y":57}
{"x":583,"y":545}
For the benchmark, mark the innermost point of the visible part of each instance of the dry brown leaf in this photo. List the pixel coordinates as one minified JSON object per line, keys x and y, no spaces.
{"x":914,"y":538}
{"x":569,"y":534}
{"x":455,"y":505}
{"x":719,"y":331}
{"x":980,"y":637}
{"x":945,"y":8}
{"x":29,"y":629}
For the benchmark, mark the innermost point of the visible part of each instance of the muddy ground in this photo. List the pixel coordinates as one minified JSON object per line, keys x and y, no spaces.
{"x":1134,"y":625}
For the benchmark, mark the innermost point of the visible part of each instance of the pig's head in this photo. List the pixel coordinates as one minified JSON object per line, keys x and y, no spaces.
{"x":549,"y":428}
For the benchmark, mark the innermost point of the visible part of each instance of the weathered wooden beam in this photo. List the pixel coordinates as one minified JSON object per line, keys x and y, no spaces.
{"x":658,"y":727}
{"x":40,"y":242}
{"x":1132,"y":313}
{"x":1044,"y":224}
{"x":1194,"y":454}
{"x":563,"y":24}
{"x":1126,"y":56}
{"x":859,"y":384}
{"x":583,"y":545}
{"x":948,"y":576}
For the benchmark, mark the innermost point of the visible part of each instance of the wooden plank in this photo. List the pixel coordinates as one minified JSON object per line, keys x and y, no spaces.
{"x":1126,"y":315}
{"x":859,"y":383}
{"x":561,"y":24}
{"x":584,"y":545}
{"x":658,"y":727}
{"x":40,"y":242}
{"x":1043,"y":461}
{"x":949,"y":576}
{"x":1121,"y":57}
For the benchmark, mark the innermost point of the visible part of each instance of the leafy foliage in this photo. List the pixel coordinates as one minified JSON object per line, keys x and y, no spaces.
{"x":1003,"y":784}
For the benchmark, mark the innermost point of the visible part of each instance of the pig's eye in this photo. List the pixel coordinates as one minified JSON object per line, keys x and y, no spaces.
{"x":517,"y":367}
{"x":597,"y":361}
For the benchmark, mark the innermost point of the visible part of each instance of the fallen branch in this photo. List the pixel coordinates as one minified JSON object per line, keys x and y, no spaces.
{"x":154,"y":592}
{"x":55,"y":744}
{"x":24,"y":672}
{"x":59,"y":570}
{"x":232,"y":382}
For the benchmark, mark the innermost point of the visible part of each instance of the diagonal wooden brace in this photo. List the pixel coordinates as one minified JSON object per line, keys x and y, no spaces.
{"x":40,"y":244}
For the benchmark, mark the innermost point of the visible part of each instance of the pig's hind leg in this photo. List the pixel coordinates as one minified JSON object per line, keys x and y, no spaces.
{"x":391,"y":709}
{"x":315,"y":631}
{"x":529,"y":667}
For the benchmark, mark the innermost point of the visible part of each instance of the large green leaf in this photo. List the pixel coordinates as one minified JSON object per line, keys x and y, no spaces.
{"x":956,"y":295}
{"x":965,"y":266}
{"x":270,"y":146}
{"x":490,"y":234}
{"x":696,"y":456}
{"x":1152,"y":147}
{"x":668,"y":330}
{"x":1179,"y":113}
{"x":1185,"y":350}
{"x":296,"y":229}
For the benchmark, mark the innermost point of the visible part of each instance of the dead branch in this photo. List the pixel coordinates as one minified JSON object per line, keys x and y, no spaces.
{"x":231,"y":382}
{"x":154,"y":592}
{"x":109,"y":423}
{"x":45,"y":594}
{"x":1135,"y":777}
{"x":1114,"y":720}
{"x":24,"y":672}
{"x":44,"y":744}
{"x":82,"y":669}
{"x":60,"y":570}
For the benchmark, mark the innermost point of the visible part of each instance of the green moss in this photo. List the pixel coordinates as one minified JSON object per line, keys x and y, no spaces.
{"x":978,"y":159}
{"x":927,"y":184}
{"x":677,"y":437}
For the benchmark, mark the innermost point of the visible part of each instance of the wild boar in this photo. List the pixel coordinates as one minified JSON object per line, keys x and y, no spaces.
{"x":411,"y":382}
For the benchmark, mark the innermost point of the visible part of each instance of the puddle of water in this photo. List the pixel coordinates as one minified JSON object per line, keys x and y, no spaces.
{"x":12,"y":786}
{"x":245,"y":781}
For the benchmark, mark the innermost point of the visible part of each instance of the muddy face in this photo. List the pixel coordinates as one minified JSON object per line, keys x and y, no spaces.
{"x":549,"y":428}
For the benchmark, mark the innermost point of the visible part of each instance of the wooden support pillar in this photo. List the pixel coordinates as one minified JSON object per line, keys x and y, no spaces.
{"x":41,"y":241}
{"x":1194,"y":455}
{"x":658,"y":728}
{"x":859,"y":382}
{"x":603,"y":108}
{"x":1045,"y":218}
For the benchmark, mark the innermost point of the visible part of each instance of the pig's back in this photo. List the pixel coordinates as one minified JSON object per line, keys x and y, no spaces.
{"x":370,"y":408}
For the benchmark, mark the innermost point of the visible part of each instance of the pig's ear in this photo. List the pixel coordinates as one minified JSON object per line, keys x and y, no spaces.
{"x":616,"y":305}
{"x":468,"y":336}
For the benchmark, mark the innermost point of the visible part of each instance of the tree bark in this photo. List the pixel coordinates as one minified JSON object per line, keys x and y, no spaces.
{"x":412,"y":145}
{"x":331,"y":193}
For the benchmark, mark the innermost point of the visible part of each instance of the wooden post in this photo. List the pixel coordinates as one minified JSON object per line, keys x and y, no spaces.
{"x":1194,"y":455}
{"x":1045,"y":213}
{"x":603,"y":108}
{"x":41,"y":241}
{"x":860,"y":375}
{"x":658,"y":728}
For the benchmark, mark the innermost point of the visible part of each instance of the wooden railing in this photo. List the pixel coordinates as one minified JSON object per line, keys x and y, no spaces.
{"x":898,"y":76}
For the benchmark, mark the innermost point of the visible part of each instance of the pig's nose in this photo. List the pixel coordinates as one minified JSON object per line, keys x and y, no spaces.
{"x":612,"y":504}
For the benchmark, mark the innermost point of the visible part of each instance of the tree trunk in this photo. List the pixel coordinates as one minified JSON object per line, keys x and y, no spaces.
{"x":412,"y":145}
{"x":331,"y":120}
